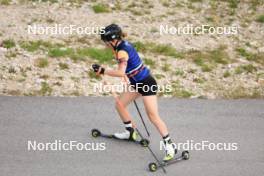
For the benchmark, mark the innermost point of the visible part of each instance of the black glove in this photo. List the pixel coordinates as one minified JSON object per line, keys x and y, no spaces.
{"x":97,"y":67}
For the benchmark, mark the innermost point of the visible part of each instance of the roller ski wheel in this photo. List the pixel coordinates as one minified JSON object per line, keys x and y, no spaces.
{"x":153,"y":167}
{"x":144,"y":142}
{"x":96,"y":133}
{"x":185,"y":155}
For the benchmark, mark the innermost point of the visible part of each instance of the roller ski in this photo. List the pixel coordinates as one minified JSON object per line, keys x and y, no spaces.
{"x":130,"y":136}
{"x":161,"y":164}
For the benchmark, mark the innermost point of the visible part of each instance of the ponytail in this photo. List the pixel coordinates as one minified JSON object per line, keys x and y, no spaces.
{"x":123,"y":35}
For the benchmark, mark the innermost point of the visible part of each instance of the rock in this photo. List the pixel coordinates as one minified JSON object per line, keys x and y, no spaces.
{"x":261,"y":49}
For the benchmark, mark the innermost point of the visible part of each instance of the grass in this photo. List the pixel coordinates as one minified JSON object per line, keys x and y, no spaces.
{"x":50,"y":20}
{"x":5,"y":2}
{"x":63,"y":66}
{"x":101,"y":55}
{"x":11,"y":54}
{"x":75,"y":93}
{"x":226,"y":74}
{"x":179,"y":72}
{"x":239,"y":92}
{"x":199,"y":80}
{"x":9,"y":43}
{"x":76,"y":58}
{"x":206,"y":68}
{"x":75,"y":79}
{"x":33,"y":46}
{"x":44,"y":76}
{"x":260,"y":18}
{"x":60,"y":52}
{"x":30,"y":46}
{"x":242,"y":52}
{"x":149,"y":62}
{"x":77,"y":3}
{"x":238,"y":70}
{"x":165,"y":3}
{"x":45,"y":89}
{"x":51,"y":1}
{"x":198,"y":61}
{"x":219,"y":56}
{"x":42,"y":63}
{"x":154,"y":30}
{"x":192,"y":70}
{"x":196,"y":0}
{"x":139,"y":46}
{"x":166,"y":67}
{"x":162,"y":49}
{"x":233,"y":3}
{"x":100,"y":8}
{"x":179,"y":91}
{"x":159,"y":76}
{"x":208,"y":60}
{"x":249,"y":68}
{"x":11,"y":70}
{"x":255,"y":3}
{"x":256,"y":57}
{"x":14,"y":92}
{"x":118,"y":6}
{"x":131,"y":5}
{"x":92,"y":75}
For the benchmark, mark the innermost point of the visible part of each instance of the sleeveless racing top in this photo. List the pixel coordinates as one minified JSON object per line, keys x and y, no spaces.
{"x":135,"y":71}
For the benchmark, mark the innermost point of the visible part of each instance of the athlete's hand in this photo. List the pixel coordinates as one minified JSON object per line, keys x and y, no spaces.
{"x":98,"y":69}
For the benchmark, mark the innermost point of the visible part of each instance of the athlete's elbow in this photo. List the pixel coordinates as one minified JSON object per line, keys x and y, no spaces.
{"x":121,"y":74}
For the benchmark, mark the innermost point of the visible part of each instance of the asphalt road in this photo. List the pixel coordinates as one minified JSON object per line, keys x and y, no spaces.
{"x":45,"y":120}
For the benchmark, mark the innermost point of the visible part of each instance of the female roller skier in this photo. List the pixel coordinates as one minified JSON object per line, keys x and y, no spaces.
{"x":130,"y":65}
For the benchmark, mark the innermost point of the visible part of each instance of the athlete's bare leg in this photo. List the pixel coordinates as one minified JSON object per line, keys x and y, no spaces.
{"x":151,"y":106}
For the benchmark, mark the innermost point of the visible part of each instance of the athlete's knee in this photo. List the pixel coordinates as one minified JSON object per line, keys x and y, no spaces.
{"x":119,"y":104}
{"x":153,"y":117}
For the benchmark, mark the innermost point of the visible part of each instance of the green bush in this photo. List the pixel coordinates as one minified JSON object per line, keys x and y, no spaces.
{"x":245,"y":69}
{"x":101,"y":55}
{"x":63,"y":66}
{"x":139,"y":46}
{"x":260,"y":19}
{"x":60,"y":52}
{"x":33,"y":46}
{"x":5,"y":2}
{"x":226,"y":74}
{"x":45,"y":89}
{"x":256,"y":57}
{"x":9,"y":43}
{"x":149,"y":62}
{"x":42,"y":63}
{"x":100,"y":8}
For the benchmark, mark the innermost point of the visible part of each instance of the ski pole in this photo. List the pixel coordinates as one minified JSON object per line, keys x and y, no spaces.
{"x":142,"y":120}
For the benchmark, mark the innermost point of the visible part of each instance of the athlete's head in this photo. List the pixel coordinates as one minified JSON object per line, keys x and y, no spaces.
{"x":112,"y":34}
